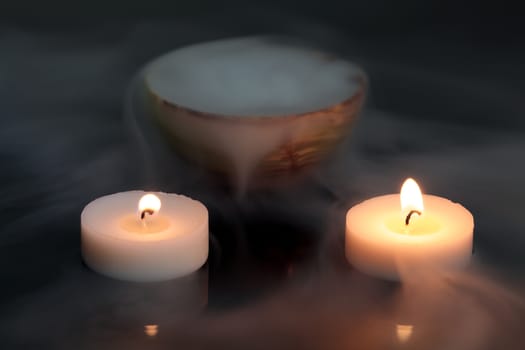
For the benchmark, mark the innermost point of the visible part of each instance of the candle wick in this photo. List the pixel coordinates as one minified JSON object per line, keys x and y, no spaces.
{"x":412,"y":212}
{"x":144,"y":212}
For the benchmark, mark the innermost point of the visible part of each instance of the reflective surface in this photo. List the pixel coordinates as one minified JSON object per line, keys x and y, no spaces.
{"x":277,"y":277}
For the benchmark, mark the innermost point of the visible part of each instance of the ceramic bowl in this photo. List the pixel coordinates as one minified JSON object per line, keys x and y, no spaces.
{"x":254,"y":109}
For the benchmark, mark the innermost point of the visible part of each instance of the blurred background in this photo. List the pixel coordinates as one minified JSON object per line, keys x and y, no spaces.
{"x":445,"y":105}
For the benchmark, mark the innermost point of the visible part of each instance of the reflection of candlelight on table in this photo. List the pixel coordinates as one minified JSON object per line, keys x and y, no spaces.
{"x":151,"y":329}
{"x":428,"y":230}
{"x":404,"y":332}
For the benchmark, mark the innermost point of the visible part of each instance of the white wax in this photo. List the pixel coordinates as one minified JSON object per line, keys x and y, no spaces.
{"x":378,"y":243}
{"x":171,"y":243}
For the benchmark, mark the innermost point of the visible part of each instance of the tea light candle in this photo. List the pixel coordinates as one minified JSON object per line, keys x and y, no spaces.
{"x":407,"y":229}
{"x":139,"y":236}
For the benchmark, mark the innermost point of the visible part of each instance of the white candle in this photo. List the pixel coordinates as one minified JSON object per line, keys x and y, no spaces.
{"x":144,"y":237}
{"x":386,"y":232}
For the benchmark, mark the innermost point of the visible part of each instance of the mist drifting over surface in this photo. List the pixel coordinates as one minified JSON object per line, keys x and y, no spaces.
{"x":276,"y":277}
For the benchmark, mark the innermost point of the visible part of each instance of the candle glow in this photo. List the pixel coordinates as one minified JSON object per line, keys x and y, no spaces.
{"x":411,"y":197}
{"x":149,"y":204}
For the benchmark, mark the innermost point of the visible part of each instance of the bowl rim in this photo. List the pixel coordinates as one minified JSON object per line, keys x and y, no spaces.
{"x":260,"y":118}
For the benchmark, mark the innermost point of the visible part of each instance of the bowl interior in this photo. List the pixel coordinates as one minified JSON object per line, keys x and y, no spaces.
{"x":254,"y":76}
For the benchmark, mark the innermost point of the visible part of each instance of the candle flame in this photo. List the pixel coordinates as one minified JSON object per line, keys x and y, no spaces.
{"x":149,"y":203}
{"x":411,"y":197}
{"x":404,"y":332}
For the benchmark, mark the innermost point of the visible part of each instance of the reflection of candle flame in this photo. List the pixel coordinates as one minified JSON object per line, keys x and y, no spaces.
{"x":151,"y":329}
{"x":404,"y":332}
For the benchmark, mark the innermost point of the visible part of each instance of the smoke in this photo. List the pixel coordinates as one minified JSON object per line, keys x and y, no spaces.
{"x":277,"y":277}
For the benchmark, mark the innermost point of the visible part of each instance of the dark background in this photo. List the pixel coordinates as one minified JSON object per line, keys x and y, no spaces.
{"x":445,"y":106}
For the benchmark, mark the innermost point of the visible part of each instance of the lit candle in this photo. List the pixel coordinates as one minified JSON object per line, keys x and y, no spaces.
{"x":141,"y":237}
{"x":407,"y":229}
